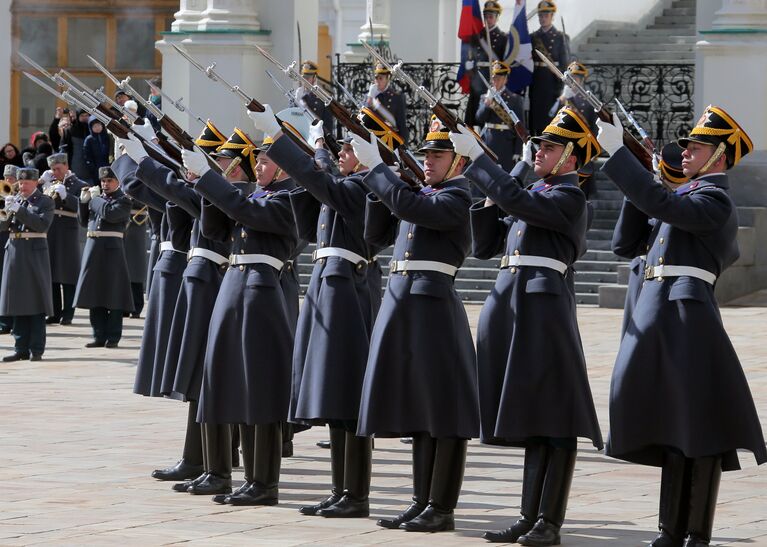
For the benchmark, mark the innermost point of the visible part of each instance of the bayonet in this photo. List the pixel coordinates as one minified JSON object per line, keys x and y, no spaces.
{"x":181,"y":107}
{"x":646,"y":140}
{"x":36,"y":66}
{"x":52,"y":91}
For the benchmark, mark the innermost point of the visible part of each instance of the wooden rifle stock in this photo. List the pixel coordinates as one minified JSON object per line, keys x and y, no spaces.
{"x":121,"y":131}
{"x":452,"y":123}
{"x":521,"y":131}
{"x":183,"y":139}
{"x":255,"y":106}
{"x":634,"y":146}
{"x":410,"y":162}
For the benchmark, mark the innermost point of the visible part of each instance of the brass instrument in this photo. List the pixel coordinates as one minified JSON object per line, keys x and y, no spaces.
{"x":7,"y":188}
{"x":50,"y":191}
{"x":140,"y":217}
{"x":5,"y":216}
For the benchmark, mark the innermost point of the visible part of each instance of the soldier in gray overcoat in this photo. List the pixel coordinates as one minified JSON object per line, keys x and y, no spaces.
{"x":64,"y":236}
{"x":679,"y":399}
{"x":136,"y":253}
{"x":416,"y":385}
{"x":103,"y":286}
{"x":533,"y":384}
{"x":25,"y":294}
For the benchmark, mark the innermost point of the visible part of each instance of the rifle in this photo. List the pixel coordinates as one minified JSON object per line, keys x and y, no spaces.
{"x":174,"y":130}
{"x":118,"y":129}
{"x":498,"y":98}
{"x":251,"y":104}
{"x":177,"y":103}
{"x":634,"y":146}
{"x":330,"y":141}
{"x":340,"y":112}
{"x":440,"y":110}
{"x":646,"y":140}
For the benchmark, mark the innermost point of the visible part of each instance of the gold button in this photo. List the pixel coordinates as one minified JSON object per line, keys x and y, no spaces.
{"x":322,"y":244}
{"x":519,"y":233}
{"x":322,"y":261}
{"x":322,"y":226}
{"x":359,"y":266}
{"x":242,"y":268}
{"x":660,"y":260}
{"x":244,"y":234}
{"x":516,"y":252}
{"x":513,"y":270}
{"x":407,"y":254}
{"x":232,"y":238}
{"x":661,"y":241}
{"x":647,"y":247}
{"x":410,"y":235}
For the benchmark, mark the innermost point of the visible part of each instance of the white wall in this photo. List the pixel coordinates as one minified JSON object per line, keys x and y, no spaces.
{"x":5,"y":71}
{"x":280,"y":17}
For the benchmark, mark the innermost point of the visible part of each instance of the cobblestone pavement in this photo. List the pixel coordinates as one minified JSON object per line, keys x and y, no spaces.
{"x":77,"y":448}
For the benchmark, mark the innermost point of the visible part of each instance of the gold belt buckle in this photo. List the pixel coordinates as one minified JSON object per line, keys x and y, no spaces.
{"x":649,"y":272}
{"x":392,"y":267}
{"x":314,"y":255}
{"x":504,"y":261}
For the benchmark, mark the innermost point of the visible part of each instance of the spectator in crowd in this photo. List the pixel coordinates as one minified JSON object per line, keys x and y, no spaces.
{"x":96,"y":149}
{"x":43,"y":150}
{"x":28,"y":154}
{"x":67,"y":133}
{"x":10,"y":155}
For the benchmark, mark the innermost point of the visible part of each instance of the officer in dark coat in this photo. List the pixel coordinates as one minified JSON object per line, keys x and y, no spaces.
{"x":546,"y":87}
{"x":155,"y":229}
{"x":246,"y":379}
{"x":309,"y":71}
{"x":334,"y":325}
{"x":388,"y":103}
{"x":414,"y":386}
{"x":633,"y":231}
{"x":64,"y":236}
{"x":104,"y":286}
{"x":679,"y":399}
{"x":497,"y":126}
{"x":25,"y":294}
{"x":135,"y":253}
{"x":533,"y":386}
{"x":482,"y":55}
{"x":10,"y":177}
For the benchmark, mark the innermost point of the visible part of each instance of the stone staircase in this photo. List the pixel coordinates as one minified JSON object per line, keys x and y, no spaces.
{"x":669,"y":38}
{"x":598,"y":267}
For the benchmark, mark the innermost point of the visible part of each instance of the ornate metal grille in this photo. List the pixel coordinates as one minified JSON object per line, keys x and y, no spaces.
{"x":660,"y":95}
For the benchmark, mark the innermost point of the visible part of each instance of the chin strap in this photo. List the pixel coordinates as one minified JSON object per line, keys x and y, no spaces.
{"x":713,"y":159}
{"x":566,"y":153}
{"x":357,"y":167}
{"x":277,"y":174}
{"x":232,"y":166}
{"x":453,"y":167}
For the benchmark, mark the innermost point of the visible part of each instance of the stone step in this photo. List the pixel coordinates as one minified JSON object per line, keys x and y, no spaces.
{"x":601,"y":255}
{"x":644,"y":35}
{"x":678,"y":20}
{"x":677,"y":11}
{"x":588,"y":299}
{"x":612,"y":296}
{"x":595,"y":277}
{"x":611,"y":194}
{"x":599,"y":234}
{"x":636,"y":57}
{"x":603,"y":223}
{"x":648,"y":49}
{"x":607,"y":204}
{"x":588,"y":287}
{"x":594,"y":265}
{"x":599,"y":244}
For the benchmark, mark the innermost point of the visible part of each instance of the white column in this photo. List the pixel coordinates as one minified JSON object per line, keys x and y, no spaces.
{"x":188,"y":15}
{"x":730,"y":72}
{"x":449,"y":46}
{"x":5,"y":70}
{"x":379,"y":13}
{"x":228,"y":15}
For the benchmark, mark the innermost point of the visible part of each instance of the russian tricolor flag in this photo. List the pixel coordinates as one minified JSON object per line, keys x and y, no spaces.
{"x":470,"y":24}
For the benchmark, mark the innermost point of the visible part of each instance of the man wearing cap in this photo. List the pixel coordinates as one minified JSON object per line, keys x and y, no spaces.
{"x":64,"y":187}
{"x":386,"y":102}
{"x":498,"y":127}
{"x":309,"y":71}
{"x":574,"y":100}
{"x":104,"y":285}
{"x":546,"y":87}
{"x":679,"y":399}
{"x":246,"y":380}
{"x":10,"y":177}
{"x":334,"y":325}
{"x":414,"y":386}
{"x":534,"y":395}
{"x":25,"y":294}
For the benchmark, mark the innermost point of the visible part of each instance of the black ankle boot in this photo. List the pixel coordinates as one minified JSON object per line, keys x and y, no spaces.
{"x":673,"y":504}
{"x":424,"y":447}
{"x":226,"y":498}
{"x":312,"y":510}
{"x":447,"y":477}
{"x":179,"y":472}
{"x":556,"y":490}
{"x":211,"y":485}
{"x":704,"y":489}
{"x":357,"y":468}
{"x":536,"y":458}
{"x":184,"y":486}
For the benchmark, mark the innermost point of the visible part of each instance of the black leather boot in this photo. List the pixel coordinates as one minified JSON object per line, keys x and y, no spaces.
{"x":673,"y":505}
{"x":337,"y":456}
{"x":246,"y":439}
{"x":218,"y":442}
{"x":287,"y":439}
{"x":704,"y":489}
{"x":190,"y":464}
{"x":447,"y":477}
{"x":424,"y":447}
{"x":235,"y":437}
{"x":264,"y":490}
{"x":556,"y":490}
{"x":536,"y":458}
{"x":357,"y":468}
{"x":179,"y":472}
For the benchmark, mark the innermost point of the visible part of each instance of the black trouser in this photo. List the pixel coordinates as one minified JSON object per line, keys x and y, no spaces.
{"x":137,"y":289}
{"x":6,"y":322}
{"x":107,"y":324}
{"x":63,"y":301}
{"x":29,"y":332}
{"x":217,"y":449}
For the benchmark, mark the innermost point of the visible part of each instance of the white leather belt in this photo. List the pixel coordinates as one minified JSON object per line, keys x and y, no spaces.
{"x":236,"y":260}
{"x":28,"y":235}
{"x":346,"y":254}
{"x":663,"y":270}
{"x":499,"y":126}
{"x":396,"y":266}
{"x":205,"y":253}
{"x":168,"y":246}
{"x":508,"y":261}
{"x":99,"y":233}
{"x":62,"y":213}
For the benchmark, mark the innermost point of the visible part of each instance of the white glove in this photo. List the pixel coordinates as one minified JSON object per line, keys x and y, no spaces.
{"x":47,"y":178}
{"x":367,"y":151}
{"x":61,"y":190}
{"x":146,"y":131}
{"x":469,"y":65}
{"x":528,"y":152}
{"x":133,"y":148}
{"x":656,"y":163}
{"x":195,"y":162}
{"x":316,"y":133}
{"x":12,"y":206}
{"x":610,"y":135}
{"x":265,"y":121}
{"x":568,"y":93}
{"x":465,"y":143}
{"x":95,"y":191}
{"x":373,"y":91}
{"x":85,"y":195}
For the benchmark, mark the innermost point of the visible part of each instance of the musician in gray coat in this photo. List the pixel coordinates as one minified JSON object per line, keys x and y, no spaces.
{"x":25,"y":293}
{"x":104,"y":286}
{"x":533,"y":385}
{"x":679,"y":399}
{"x":416,"y":385}
{"x":64,"y":236}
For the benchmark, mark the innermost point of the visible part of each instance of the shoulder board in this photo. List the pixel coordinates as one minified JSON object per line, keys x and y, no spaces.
{"x":693,"y":187}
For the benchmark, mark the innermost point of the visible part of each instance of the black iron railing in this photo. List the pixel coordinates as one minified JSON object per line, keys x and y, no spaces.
{"x":660,"y":95}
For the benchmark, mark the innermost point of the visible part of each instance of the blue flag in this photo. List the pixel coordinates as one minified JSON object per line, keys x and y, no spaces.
{"x":519,"y":51}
